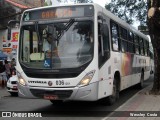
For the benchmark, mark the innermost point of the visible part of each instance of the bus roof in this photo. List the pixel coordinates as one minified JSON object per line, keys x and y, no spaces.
{"x":63,"y":5}
{"x":124,"y":24}
{"x":107,"y":13}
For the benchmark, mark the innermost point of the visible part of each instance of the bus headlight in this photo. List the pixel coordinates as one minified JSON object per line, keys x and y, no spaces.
{"x":87,"y":78}
{"x":21,"y":80}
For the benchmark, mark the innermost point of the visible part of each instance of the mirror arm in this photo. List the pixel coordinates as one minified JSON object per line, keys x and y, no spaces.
{"x":9,"y":28}
{"x":13,"y":21}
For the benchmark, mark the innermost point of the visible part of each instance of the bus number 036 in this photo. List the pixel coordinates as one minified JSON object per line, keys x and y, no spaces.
{"x":60,"y":82}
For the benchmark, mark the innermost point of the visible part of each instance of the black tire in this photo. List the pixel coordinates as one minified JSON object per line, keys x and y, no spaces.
{"x":14,"y":93}
{"x":141,"y":84}
{"x":115,"y":94}
{"x":151,"y":72}
{"x":110,"y":100}
{"x":57,"y":102}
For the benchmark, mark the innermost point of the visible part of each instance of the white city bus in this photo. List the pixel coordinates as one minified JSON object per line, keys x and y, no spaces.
{"x":79,"y":52}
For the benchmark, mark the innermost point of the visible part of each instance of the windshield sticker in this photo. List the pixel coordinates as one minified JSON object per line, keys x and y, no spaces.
{"x":47,"y":63}
{"x":26,"y":16}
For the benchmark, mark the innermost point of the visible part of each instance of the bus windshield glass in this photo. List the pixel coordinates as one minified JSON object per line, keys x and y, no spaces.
{"x":57,"y":45}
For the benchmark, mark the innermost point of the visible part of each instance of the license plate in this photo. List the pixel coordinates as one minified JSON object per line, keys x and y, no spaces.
{"x":51,"y":97}
{"x":15,"y":87}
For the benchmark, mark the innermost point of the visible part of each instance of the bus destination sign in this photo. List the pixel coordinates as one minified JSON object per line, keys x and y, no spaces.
{"x":58,"y":12}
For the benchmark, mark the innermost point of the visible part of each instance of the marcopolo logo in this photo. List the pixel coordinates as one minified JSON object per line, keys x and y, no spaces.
{"x":50,"y":83}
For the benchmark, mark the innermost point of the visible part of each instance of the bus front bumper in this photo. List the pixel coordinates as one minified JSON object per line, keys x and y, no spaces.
{"x":85,"y":93}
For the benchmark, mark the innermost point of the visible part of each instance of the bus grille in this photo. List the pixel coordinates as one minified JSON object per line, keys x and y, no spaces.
{"x":62,"y":94}
{"x":14,"y":82}
{"x":51,"y":75}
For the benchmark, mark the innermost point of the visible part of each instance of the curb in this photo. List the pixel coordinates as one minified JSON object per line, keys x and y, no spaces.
{"x":128,"y":101}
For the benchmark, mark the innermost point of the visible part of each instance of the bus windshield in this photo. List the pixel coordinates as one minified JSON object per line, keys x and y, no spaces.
{"x":56,"y":46}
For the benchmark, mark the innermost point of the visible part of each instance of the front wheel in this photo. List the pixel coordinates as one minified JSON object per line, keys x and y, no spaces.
{"x":110,"y":100}
{"x":14,"y":93}
{"x":141,"y":84}
{"x":115,"y":94}
{"x":56,"y":102}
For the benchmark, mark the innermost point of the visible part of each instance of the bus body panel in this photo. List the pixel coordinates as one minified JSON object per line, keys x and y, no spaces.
{"x":129,"y":66}
{"x":86,"y":93}
{"x":105,"y":80}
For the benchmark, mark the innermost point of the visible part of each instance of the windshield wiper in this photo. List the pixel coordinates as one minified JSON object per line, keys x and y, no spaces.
{"x":66,"y":27}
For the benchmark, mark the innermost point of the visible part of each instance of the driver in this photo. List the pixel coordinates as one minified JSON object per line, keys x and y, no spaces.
{"x":47,"y":43}
{"x":50,"y":49}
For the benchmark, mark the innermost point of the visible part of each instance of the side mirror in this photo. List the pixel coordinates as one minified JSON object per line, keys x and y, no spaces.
{"x":100,"y":18}
{"x":102,"y":29}
{"x":105,"y":30}
{"x":11,"y":23}
{"x":9,"y":33}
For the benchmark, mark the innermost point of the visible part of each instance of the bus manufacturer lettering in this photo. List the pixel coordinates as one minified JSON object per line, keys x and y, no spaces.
{"x":41,"y":82}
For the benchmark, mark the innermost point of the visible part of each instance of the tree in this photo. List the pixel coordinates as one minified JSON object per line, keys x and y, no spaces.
{"x":154,"y":28}
{"x":47,"y":3}
{"x":129,"y":10}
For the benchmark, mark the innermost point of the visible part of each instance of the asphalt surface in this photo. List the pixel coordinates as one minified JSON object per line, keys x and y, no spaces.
{"x":69,"y":110}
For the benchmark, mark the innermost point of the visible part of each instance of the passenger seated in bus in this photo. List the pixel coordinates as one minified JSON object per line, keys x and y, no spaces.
{"x":89,"y":43}
{"x":47,"y":44}
{"x":87,"y":48}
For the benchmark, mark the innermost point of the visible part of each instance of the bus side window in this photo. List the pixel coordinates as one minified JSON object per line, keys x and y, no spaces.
{"x":115,"y":39}
{"x":142,"y":46}
{"x":131,"y":47}
{"x":136,"y":42}
{"x":123,"y":37}
{"x":103,"y":43}
{"x":106,"y":39}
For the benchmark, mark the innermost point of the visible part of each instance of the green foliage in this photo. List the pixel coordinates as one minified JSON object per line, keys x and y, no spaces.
{"x":129,"y":10}
{"x":50,"y":2}
{"x":46,"y":4}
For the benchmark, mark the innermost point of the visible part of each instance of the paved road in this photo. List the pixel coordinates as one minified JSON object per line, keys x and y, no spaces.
{"x":68,"y":110}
